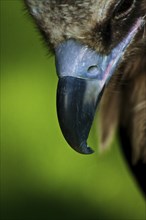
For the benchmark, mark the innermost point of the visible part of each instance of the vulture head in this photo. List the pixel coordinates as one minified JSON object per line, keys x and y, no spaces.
{"x":100,"y":54}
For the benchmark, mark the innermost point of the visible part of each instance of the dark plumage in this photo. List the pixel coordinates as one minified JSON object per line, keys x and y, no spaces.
{"x":102,"y":25}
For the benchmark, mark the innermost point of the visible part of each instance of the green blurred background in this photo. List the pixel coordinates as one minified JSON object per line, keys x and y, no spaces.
{"x":41,"y":176}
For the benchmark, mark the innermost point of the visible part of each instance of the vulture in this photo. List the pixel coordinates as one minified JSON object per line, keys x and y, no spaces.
{"x":100,"y":57}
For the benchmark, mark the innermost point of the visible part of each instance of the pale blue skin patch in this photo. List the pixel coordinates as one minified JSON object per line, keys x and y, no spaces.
{"x":75,"y":59}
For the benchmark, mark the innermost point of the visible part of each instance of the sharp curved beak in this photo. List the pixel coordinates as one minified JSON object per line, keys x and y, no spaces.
{"x":76,"y":105}
{"x":83,"y":75}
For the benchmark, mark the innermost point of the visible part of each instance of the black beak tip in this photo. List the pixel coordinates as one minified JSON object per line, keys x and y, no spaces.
{"x":84,"y":149}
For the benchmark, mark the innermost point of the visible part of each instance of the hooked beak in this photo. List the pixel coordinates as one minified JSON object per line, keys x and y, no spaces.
{"x":83,"y":75}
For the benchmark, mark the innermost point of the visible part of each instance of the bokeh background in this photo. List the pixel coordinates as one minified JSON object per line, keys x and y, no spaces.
{"x":41,"y":176}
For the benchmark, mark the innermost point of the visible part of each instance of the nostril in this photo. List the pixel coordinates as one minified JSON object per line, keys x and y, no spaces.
{"x":94,"y":72}
{"x":91,"y":69}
